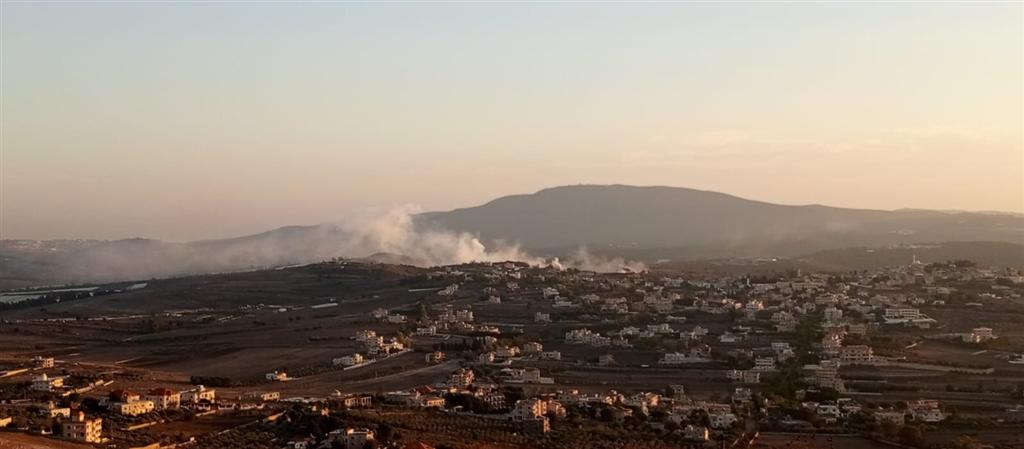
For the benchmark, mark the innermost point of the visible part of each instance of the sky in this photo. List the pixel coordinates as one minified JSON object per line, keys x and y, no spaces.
{"x":188,"y":120}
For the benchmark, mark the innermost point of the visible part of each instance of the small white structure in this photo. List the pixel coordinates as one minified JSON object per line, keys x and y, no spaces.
{"x":348,"y":360}
{"x":278,"y":376}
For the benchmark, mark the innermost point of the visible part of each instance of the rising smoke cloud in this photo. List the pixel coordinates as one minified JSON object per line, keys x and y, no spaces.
{"x":394,"y":231}
{"x":371,"y":232}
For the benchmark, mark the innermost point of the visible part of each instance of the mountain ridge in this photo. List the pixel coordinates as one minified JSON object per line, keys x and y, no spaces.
{"x":719,"y":217}
{"x":642,"y":222}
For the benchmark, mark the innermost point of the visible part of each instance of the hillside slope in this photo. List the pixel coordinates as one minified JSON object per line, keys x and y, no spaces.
{"x":708,"y":222}
{"x":646,"y":223}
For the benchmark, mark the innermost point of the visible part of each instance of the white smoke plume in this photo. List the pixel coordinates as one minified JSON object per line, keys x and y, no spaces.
{"x":394,"y":232}
{"x":369,"y":233}
{"x":584,"y":260}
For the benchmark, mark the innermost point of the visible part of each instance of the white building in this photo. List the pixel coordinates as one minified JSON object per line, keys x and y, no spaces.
{"x":720,"y":420}
{"x":365,"y":335}
{"x":132,"y":408}
{"x":764,"y":364}
{"x":164,"y":398}
{"x":200,"y":393}
{"x":506,"y":352}
{"x":43,"y":382}
{"x":902,"y":313}
{"x":348,"y":360}
{"x":979,"y":335}
{"x":856,"y":354}
{"x":80,"y":428}
{"x":925,"y":410}
{"x":679,"y":358}
{"x":277,"y":376}
{"x":588,"y":337}
{"x":42,"y":362}
{"x":551,"y":355}
{"x":350,"y":438}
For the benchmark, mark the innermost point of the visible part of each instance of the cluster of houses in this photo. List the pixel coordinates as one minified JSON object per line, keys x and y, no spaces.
{"x":848,"y":312}
{"x":757,"y":342}
{"x":75,"y":425}
{"x":345,"y":438}
{"x":376,"y":347}
{"x":129,"y":403}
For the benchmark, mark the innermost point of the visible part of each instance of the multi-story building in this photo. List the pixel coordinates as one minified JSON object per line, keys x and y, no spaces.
{"x":925,"y":410}
{"x":485,"y":357}
{"x":902,"y":313}
{"x":198,"y":394}
{"x":890,"y":416}
{"x":43,"y":382}
{"x":532,"y":347}
{"x":348,"y":360}
{"x":979,"y":335}
{"x":55,"y":411}
{"x":721,"y":420}
{"x":365,"y":335}
{"x":262,"y":396}
{"x":434,"y":357}
{"x":461,"y":378}
{"x":679,"y":358}
{"x":277,"y":376}
{"x":588,"y":337}
{"x":164,"y":398}
{"x":428,"y":401}
{"x":124,"y":396}
{"x":81,"y":428}
{"x":132,"y":408}
{"x":857,"y":329}
{"x":856,"y":354}
{"x":764,"y":364}
{"x":350,"y":438}
{"x":551,"y":355}
{"x":506,"y":352}
{"x":528,"y":409}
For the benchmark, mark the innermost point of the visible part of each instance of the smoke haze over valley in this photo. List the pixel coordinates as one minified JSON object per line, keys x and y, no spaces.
{"x":600,"y":228}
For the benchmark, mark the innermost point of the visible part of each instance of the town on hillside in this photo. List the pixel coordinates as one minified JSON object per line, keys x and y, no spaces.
{"x":347,"y":354}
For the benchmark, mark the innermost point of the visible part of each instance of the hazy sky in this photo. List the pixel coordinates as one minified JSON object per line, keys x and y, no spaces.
{"x":190,"y":120}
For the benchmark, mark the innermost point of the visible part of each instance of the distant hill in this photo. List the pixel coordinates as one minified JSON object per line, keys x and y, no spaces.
{"x":28,"y":263}
{"x":644,"y":223}
{"x":707,"y":224}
